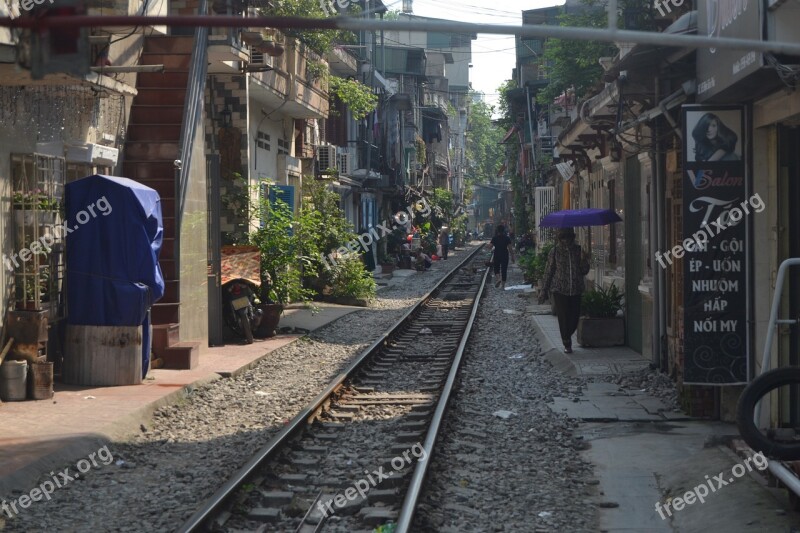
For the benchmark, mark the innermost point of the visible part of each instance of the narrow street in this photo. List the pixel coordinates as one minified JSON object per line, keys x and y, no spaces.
{"x":249,"y":254}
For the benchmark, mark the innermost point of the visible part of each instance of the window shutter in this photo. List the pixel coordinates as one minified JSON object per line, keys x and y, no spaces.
{"x":284,"y":193}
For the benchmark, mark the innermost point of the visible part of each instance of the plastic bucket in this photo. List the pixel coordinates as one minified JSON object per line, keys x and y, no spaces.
{"x":13,"y":380}
{"x":42,"y":382}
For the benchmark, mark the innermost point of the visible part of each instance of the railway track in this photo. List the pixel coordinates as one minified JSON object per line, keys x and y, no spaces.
{"x":356,"y":457}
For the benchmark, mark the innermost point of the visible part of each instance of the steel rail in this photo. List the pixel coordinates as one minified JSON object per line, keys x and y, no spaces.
{"x":212,"y":504}
{"x":421,"y":469}
{"x":355,"y":24}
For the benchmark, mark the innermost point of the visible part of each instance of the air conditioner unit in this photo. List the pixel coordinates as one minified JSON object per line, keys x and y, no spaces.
{"x":259,"y":61}
{"x":345,"y":160}
{"x":326,"y":157}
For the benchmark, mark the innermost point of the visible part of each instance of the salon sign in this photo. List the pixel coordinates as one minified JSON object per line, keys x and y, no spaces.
{"x":717,"y":211}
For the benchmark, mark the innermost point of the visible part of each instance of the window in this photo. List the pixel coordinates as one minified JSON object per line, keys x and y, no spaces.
{"x":284,"y":146}
{"x":284,"y":193}
{"x":76,"y":171}
{"x":262,"y":140}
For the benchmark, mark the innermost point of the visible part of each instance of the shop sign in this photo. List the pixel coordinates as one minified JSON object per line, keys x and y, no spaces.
{"x":719,"y":69}
{"x":717,"y":212}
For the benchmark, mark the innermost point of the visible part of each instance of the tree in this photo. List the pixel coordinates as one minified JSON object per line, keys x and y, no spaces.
{"x":358,"y":97}
{"x":506,"y":119}
{"x":321,"y":41}
{"x":574,"y":64}
{"x":483,"y":149}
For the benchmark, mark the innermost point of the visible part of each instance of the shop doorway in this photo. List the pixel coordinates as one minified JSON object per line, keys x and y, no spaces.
{"x":789,"y":246}
{"x":632,"y":218}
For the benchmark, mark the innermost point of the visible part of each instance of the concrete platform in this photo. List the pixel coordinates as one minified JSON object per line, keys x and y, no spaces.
{"x":39,"y":436}
{"x":645,"y":455}
{"x":640,"y":465}
{"x":582,"y":361}
{"x":607,"y":402}
{"x":303,"y":317}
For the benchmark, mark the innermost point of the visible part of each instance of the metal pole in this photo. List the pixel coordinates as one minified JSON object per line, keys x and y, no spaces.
{"x":355,"y":25}
{"x":655,"y":343}
{"x":612,"y":14}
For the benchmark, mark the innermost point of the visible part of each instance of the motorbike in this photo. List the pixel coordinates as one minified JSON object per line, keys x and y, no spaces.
{"x":239,"y":308}
{"x":240,"y":281}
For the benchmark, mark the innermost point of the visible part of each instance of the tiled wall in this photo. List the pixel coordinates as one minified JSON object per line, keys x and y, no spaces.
{"x":228,"y":91}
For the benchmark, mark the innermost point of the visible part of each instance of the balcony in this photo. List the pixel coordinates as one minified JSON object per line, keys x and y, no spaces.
{"x":342,"y":63}
{"x":226,"y":49}
{"x":291,"y":84}
{"x":436,"y":100}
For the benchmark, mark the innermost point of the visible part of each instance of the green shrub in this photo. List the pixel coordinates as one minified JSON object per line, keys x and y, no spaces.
{"x":350,"y":278}
{"x":527,"y":262}
{"x":540,"y":262}
{"x":601,"y":302}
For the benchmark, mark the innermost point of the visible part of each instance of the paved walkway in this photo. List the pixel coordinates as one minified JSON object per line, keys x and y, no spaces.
{"x":582,"y":361}
{"x":645,"y":454}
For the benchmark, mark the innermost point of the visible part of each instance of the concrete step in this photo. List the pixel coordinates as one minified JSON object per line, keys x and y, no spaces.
{"x":161,"y":96}
{"x":164,"y":336}
{"x":142,"y":171}
{"x":173,"y":80}
{"x":182,"y":356}
{"x":168,"y":44}
{"x":166,"y":313}
{"x":147,"y":115}
{"x":171,"y":62}
{"x":154,"y":132}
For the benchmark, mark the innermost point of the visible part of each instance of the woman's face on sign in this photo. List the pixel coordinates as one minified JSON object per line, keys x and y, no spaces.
{"x":713,"y":127}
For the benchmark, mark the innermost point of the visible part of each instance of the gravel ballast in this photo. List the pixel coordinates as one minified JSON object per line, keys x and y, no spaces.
{"x":504,"y":461}
{"x":179,"y":458}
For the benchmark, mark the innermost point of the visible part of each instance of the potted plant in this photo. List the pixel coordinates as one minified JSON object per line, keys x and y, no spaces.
{"x":600,"y":325}
{"x":352,"y":284}
{"x":281,"y":275}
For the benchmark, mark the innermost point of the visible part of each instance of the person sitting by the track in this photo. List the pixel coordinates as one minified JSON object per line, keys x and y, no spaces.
{"x":424,"y":261}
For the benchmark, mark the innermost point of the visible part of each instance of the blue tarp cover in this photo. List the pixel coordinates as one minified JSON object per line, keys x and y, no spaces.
{"x":113,"y":276}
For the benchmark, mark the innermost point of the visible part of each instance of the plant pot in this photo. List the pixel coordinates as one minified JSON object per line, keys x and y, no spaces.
{"x":387,"y":268}
{"x":28,"y":306}
{"x":348,"y":300}
{"x":601,"y":331}
{"x":269,"y":320}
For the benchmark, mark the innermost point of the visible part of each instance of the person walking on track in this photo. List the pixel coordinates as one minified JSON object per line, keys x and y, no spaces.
{"x":503,"y":249}
{"x":563,"y":276}
{"x":444,"y":240}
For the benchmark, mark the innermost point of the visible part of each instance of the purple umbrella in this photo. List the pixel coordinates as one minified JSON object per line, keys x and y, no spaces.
{"x":570,"y":218}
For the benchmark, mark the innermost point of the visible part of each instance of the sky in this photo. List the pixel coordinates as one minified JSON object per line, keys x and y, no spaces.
{"x":493,"y":56}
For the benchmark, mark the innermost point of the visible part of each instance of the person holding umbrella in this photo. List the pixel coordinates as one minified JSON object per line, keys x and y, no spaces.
{"x":563,"y":276}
